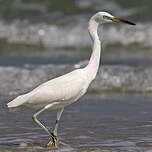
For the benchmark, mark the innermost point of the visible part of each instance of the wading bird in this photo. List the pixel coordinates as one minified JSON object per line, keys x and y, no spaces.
{"x":64,"y":90}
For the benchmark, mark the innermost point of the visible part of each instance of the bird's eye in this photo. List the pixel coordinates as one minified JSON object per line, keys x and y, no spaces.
{"x":107,"y":17}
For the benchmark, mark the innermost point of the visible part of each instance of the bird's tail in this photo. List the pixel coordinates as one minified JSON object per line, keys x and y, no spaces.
{"x":17,"y":103}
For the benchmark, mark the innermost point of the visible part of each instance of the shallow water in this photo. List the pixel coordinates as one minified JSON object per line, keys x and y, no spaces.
{"x":95,"y":123}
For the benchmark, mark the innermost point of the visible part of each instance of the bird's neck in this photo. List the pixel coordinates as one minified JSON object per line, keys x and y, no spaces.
{"x":93,"y":65}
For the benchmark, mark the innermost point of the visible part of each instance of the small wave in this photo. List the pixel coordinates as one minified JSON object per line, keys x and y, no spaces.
{"x":140,"y":34}
{"x":75,"y":35}
{"x":123,"y":79}
{"x":16,"y":80}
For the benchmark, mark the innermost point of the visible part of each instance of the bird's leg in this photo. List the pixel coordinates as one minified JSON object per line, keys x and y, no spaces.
{"x":34,"y":117}
{"x":59,"y":113}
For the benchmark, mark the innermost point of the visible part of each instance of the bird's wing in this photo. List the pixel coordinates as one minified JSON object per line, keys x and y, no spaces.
{"x":64,"y":87}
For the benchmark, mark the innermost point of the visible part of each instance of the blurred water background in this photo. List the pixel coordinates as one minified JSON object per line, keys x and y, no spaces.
{"x":40,"y":40}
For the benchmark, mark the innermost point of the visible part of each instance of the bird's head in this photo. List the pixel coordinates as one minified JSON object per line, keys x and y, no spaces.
{"x":104,"y":17}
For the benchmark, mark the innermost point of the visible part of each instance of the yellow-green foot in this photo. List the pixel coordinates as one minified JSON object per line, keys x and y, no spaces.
{"x":53,"y":142}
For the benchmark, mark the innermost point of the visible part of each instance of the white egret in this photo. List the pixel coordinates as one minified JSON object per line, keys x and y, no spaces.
{"x":62,"y":91}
